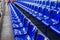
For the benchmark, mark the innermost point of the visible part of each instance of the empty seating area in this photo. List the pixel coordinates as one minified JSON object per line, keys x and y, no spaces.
{"x":23,"y":28}
{"x":47,"y":12}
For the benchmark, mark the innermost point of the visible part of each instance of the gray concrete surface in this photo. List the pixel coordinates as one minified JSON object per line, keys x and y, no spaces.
{"x":7,"y":33}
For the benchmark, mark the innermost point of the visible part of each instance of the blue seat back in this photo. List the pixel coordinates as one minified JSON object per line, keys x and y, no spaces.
{"x":37,"y":2}
{"x":22,"y":18}
{"x":44,"y":3}
{"x":40,"y":2}
{"x":58,"y":5}
{"x":48,"y":3}
{"x":16,"y":10}
{"x":40,"y":10}
{"x":47,"y":12}
{"x":36,"y":8}
{"x":55,"y":15}
{"x":33,"y":7}
{"x":32,"y":30}
{"x":30,"y":6}
{"x":19,"y":13}
{"x":12,"y":11}
{"x":53,"y":4}
{"x":26,"y":5}
{"x":26,"y":22}
{"x":40,"y":37}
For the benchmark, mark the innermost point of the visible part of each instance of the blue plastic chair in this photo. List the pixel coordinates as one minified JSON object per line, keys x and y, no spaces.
{"x":17,"y":26}
{"x":47,"y":13}
{"x":20,"y":31}
{"x":43,"y":12}
{"x":41,"y":37}
{"x":44,"y":3}
{"x":40,"y":13}
{"x":16,"y":21}
{"x":32,"y":9}
{"x":26,"y":23}
{"x":22,"y":27}
{"x":48,"y":4}
{"x":29,"y":7}
{"x":58,"y":5}
{"x":35,"y":11}
{"x":22,"y":18}
{"x":16,"y":10}
{"x":20,"y":24}
{"x":56,"y":28}
{"x":40,"y":2}
{"x":19,"y":13}
{"x":54,"y":19}
{"x":13,"y":13}
{"x":31,"y":35}
{"x":53,"y":5}
{"x":15,"y":18}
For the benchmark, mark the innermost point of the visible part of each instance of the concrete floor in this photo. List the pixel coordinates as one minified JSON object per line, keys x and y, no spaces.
{"x":7,"y":33}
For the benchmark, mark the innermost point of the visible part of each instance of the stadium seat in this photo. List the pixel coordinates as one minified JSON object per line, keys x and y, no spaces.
{"x":44,"y":4}
{"x":14,"y":18}
{"x":41,"y":37}
{"x":16,"y":22}
{"x":31,"y":34}
{"x":58,"y":6}
{"x":54,"y":19}
{"x":40,"y":13}
{"x":20,"y":31}
{"x":19,"y":13}
{"x":53,"y":5}
{"x":56,"y":28}
{"x":26,"y":23}
{"x":16,"y":26}
{"x":46,"y":11}
{"x":40,"y":2}
{"x":45,"y":15}
{"x":48,"y":4}
{"x":13,"y":13}
{"x":30,"y":9}
{"x":35,"y":11}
